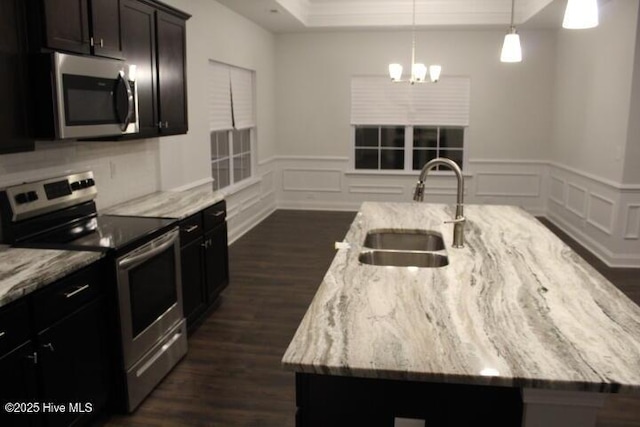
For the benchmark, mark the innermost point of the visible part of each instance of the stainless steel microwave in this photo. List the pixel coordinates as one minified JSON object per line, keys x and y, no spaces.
{"x":92,"y":97}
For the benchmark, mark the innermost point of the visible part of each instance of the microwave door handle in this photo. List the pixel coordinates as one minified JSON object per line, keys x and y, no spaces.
{"x":160,"y":245}
{"x":123,"y":84}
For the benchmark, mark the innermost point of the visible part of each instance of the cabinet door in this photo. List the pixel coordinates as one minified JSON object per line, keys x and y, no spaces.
{"x":194,"y":297}
{"x":216,"y":261}
{"x":105,"y":20}
{"x":139,"y":49}
{"x":172,"y":85}
{"x":74,"y":363}
{"x":18,"y":384}
{"x":13,"y":78}
{"x":67,"y":25}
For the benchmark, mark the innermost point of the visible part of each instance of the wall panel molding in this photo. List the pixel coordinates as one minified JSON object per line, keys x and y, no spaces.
{"x":557,"y":190}
{"x":488,"y":182}
{"x":601,"y":213}
{"x":375,"y":189}
{"x":576,"y":200}
{"x":632,"y":222}
{"x":312,"y":179}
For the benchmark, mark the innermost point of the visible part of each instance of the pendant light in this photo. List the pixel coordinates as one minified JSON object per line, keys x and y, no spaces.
{"x":419,"y":70}
{"x":581,"y":14}
{"x":511,"y":50}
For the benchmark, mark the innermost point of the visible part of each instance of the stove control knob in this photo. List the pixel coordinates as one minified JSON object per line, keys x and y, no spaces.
{"x":75,"y":185}
{"x":21,"y":198}
{"x":32,"y":196}
{"x":90,"y":182}
{"x":84,"y":183}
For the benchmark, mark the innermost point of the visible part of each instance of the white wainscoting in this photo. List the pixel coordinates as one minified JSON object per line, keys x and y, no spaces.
{"x":251,"y":202}
{"x":601,"y":215}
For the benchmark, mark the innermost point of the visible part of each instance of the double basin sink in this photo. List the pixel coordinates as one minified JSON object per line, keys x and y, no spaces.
{"x":404,"y":248}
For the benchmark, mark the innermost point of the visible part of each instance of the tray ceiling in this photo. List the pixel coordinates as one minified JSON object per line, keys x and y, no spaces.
{"x":301,"y":15}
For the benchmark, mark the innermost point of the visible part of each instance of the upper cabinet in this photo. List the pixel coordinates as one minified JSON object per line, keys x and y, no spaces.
{"x":90,"y":27}
{"x":14,"y":84}
{"x":154,"y":40}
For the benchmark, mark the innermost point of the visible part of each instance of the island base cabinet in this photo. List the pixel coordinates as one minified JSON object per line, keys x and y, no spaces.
{"x":327,"y":400}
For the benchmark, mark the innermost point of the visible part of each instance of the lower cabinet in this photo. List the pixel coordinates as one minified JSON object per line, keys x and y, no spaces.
{"x":60,"y":371}
{"x":205,"y":261}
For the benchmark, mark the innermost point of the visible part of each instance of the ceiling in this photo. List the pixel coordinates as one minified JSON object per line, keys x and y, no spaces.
{"x":281,"y":16}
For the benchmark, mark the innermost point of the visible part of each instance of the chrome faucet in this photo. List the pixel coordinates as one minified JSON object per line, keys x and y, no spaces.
{"x":459,"y":220}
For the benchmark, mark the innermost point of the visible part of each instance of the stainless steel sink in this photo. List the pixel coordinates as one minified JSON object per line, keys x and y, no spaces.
{"x":404,"y":239}
{"x":403,"y":258}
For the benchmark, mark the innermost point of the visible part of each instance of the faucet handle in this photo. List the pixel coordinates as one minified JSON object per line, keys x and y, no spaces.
{"x":418,"y":194}
{"x":458,"y":220}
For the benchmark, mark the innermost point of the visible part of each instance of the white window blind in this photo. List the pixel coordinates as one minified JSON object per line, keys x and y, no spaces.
{"x":378,"y":101}
{"x":219,"y":97}
{"x":242,"y":90}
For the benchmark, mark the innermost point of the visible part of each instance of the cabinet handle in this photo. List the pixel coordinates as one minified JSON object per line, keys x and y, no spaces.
{"x":218,"y":213}
{"x":166,"y":125}
{"x":49,"y":346}
{"x":191,"y":228}
{"x":76,"y":291}
{"x":101,"y":43}
{"x":3,"y":333}
{"x":160,"y":125}
{"x":34,"y":357}
{"x":91,"y":42}
{"x":205,"y":244}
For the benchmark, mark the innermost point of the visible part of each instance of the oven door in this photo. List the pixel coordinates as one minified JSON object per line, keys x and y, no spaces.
{"x":149,"y":294}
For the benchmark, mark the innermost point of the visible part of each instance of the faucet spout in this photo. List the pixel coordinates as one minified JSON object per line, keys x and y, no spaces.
{"x":459,"y":220}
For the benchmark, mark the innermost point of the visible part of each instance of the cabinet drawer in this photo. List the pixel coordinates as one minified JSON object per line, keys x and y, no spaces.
{"x":14,"y":326}
{"x":190,"y":229}
{"x":215,"y":215}
{"x":67,"y":295}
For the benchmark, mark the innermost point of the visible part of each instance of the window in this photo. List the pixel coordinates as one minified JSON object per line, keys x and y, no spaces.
{"x":402,"y":127}
{"x":231,"y":123}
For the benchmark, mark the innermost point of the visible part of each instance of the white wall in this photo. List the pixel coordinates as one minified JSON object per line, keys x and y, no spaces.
{"x":215,"y":32}
{"x":594,"y":75}
{"x":510,"y":115}
{"x":510,"y":121}
{"x":593,"y":174}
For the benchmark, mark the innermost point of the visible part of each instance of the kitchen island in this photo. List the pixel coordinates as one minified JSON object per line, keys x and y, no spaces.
{"x":515,"y":314}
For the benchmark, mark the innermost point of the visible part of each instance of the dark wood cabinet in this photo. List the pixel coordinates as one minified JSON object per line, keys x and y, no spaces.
{"x":74,"y":365}
{"x":139,"y":48}
{"x":54,"y":350}
{"x":14,"y":85}
{"x":154,"y":39}
{"x":172,"y":83}
{"x":205,"y":261}
{"x":82,"y":26}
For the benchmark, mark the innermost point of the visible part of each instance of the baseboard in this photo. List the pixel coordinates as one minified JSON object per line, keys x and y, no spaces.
{"x":311,"y":205}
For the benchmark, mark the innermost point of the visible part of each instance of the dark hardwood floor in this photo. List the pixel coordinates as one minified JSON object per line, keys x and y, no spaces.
{"x":232,"y":374}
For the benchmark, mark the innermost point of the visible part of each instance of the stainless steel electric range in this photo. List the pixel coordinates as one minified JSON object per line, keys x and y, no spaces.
{"x":60,"y":213}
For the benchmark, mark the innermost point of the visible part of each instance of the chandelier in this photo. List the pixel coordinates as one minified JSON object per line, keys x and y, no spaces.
{"x":419,"y":70}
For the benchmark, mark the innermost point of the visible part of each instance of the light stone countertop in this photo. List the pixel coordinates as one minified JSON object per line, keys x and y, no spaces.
{"x":22,"y":271}
{"x":169,"y":204}
{"x":514,"y":307}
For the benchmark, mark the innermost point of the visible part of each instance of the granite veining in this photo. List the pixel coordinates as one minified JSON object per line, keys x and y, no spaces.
{"x":514,"y":307}
{"x":22,"y":271}
{"x":169,"y":204}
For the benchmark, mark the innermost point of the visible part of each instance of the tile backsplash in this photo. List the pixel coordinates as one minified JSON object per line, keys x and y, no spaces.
{"x":123,"y":169}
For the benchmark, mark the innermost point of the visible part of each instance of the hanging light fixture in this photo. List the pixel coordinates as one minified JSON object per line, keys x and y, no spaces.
{"x":419,"y":70}
{"x":511,"y":50}
{"x":581,"y":14}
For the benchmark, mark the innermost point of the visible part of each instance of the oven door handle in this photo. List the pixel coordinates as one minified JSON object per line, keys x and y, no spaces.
{"x":143,"y":254}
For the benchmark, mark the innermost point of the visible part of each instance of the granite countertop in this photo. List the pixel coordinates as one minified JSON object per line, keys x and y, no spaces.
{"x":514,"y":307}
{"x":169,"y":204}
{"x":22,"y":271}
